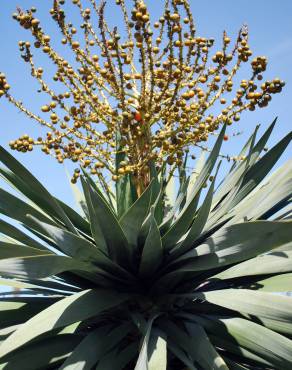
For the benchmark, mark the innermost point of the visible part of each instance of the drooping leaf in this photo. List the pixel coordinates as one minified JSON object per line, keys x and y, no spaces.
{"x":17,"y":209}
{"x":260,"y":304}
{"x":237,"y":243}
{"x":33,"y":189}
{"x":16,"y":234}
{"x":264,"y":342}
{"x":13,"y":283}
{"x":278,"y":283}
{"x":16,"y":311}
{"x":10,"y":250}
{"x":41,"y":354}
{"x":233,"y":349}
{"x":267,"y":264}
{"x":41,"y":266}
{"x":93,"y":347}
{"x":77,"y":307}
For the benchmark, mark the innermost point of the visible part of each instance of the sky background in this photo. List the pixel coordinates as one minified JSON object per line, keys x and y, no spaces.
{"x":270,"y":26}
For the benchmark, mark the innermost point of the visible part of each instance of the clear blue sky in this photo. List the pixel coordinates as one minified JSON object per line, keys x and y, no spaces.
{"x":270,"y":28}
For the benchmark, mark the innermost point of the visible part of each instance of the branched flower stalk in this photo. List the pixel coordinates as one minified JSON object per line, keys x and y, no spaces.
{"x":147,"y":95}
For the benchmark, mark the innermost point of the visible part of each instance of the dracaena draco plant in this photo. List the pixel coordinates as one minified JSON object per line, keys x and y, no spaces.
{"x":147,"y":94}
{"x":191,"y":285}
{"x":141,"y":279}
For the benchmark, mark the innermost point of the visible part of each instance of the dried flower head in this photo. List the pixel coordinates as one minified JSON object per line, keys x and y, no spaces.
{"x":146,"y":95}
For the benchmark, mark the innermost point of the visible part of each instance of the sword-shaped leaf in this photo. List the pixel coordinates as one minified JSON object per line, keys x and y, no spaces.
{"x":94,"y":346}
{"x":197,"y":226}
{"x":157,"y":350}
{"x":152,"y":252}
{"x":17,"y":209}
{"x":263,"y":342}
{"x":9,"y":250}
{"x":185,"y":217}
{"x":275,"y":284}
{"x":115,"y":239}
{"x":261,"y":168}
{"x":260,"y":304}
{"x":237,"y":243}
{"x":131,"y":222}
{"x":267,"y":264}
{"x":41,"y":266}
{"x":41,"y":354}
{"x":77,"y":307}
{"x":33,"y":189}
{"x":125,"y":192}
{"x":96,"y":231}
{"x":81,"y":249}
{"x":16,"y":234}
{"x":143,"y":360}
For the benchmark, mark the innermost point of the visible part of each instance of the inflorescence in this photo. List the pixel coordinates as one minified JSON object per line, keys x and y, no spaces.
{"x":147,"y":94}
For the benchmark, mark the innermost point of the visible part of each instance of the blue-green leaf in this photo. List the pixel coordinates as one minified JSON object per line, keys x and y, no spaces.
{"x":185,"y":217}
{"x":33,"y":189}
{"x":77,"y":307}
{"x":131,"y":222}
{"x":115,"y":239}
{"x":152,"y":250}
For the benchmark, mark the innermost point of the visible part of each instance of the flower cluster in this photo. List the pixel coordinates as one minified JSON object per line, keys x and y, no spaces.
{"x":149,"y":94}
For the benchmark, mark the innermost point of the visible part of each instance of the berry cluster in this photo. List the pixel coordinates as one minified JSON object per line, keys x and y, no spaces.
{"x":147,"y":94}
{"x":4,"y":86}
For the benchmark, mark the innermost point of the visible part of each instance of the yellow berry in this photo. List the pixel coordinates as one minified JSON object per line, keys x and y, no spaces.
{"x":46,"y":38}
{"x":45,"y":108}
{"x":75,"y":44}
